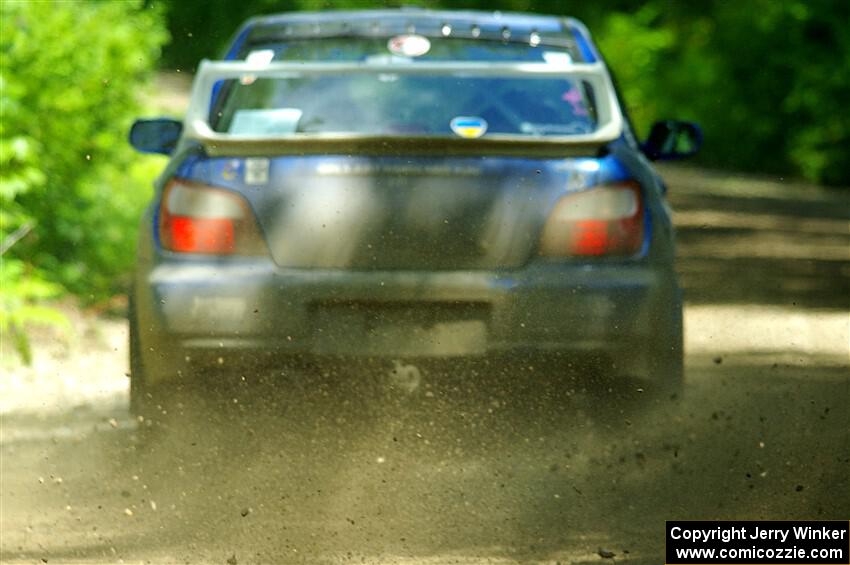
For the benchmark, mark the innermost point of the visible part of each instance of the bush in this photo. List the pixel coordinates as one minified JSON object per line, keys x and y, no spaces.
{"x":769,"y":83}
{"x":71,"y":190}
{"x":71,"y":73}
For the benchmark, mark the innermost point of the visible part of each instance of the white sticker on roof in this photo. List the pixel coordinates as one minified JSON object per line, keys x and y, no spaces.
{"x":260,"y":56}
{"x":557,"y":58}
{"x":410,"y":45}
{"x":265,"y":122}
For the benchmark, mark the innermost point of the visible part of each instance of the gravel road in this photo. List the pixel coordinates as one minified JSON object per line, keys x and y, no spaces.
{"x":519,"y":474}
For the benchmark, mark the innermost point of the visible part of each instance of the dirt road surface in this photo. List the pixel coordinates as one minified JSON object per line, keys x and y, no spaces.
{"x":507,"y":474}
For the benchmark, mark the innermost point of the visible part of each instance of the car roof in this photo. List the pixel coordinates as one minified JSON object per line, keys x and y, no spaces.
{"x":418,"y":14}
{"x":473,"y":24}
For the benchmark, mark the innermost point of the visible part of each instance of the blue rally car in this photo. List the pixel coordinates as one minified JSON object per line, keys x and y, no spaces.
{"x":406,"y":184}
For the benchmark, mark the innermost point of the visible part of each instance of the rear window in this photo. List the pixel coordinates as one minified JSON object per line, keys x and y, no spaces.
{"x":391,"y":104}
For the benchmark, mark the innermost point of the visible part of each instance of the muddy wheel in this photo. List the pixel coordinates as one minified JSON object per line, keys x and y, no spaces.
{"x":137,"y":373}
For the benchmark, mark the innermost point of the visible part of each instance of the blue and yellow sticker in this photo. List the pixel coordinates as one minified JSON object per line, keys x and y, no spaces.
{"x":469,"y":127}
{"x":230,"y":169}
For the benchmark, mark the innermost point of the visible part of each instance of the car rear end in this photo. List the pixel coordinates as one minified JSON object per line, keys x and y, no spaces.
{"x":342,"y":211}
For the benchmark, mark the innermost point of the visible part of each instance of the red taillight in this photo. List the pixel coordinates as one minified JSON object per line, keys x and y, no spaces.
{"x":200,"y":235}
{"x":195,"y":218}
{"x":606,"y":220}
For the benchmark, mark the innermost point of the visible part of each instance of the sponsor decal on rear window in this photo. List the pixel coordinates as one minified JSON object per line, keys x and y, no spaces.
{"x":469,"y":126}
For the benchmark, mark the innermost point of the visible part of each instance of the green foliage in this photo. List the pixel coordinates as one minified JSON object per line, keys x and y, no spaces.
{"x":769,"y":83}
{"x":635,"y":46}
{"x":71,"y":189}
{"x":70,"y":74}
{"x":22,"y":295}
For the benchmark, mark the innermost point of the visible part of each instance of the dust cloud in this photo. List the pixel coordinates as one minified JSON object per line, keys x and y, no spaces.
{"x":472,"y":462}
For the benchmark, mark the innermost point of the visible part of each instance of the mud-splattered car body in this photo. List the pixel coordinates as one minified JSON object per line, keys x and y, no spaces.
{"x":429,"y":206}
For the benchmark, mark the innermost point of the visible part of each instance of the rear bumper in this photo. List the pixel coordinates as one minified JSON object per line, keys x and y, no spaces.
{"x":221,"y":313}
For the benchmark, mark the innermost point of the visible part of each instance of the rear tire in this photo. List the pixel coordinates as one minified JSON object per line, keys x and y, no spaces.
{"x":137,"y":373}
{"x":667,"y":364}
{"x":618,"y":395}
{"x":146,"y":400}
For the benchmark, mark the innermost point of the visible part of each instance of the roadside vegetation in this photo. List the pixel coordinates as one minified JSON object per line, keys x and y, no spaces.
{"x":768,"y":80}
{"x":71,"y":189}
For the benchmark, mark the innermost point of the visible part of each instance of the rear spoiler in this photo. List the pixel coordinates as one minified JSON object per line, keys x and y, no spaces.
{"x":197,"y":127}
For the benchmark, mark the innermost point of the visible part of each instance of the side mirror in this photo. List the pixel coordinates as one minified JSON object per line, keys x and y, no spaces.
{"x":671,"y":139}
{"x":159,"y":135}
